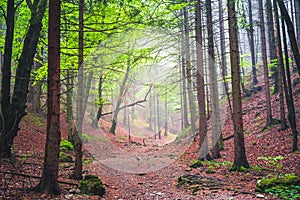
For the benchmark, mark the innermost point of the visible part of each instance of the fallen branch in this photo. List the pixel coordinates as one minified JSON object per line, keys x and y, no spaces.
{"x":37,"y":177}
{"x":228,"y":138}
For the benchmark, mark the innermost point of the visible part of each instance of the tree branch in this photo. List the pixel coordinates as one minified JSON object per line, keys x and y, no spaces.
{"x":130,"y":105}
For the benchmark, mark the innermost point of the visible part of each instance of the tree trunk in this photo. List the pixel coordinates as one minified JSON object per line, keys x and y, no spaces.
{"x":49,"y":181}
{"x":213,"y":83}
{"x":69,"y":85}
{"x":291,"y":32}
{"x":166,"y":112}
{"x":203,"y":142}
{"x":265,"y":64}
{"x":13,"y":112}
{"x":99,"y":112}
{"x":77,"y":173}
{"x":251,"y":43}
{"x":158,"y":115}
{"x":240,"y":159}
{"x":223,"y":48}
{"x":120,"y":98}
{"x":189,"y":70}
{"x":272,"y":43}
{"x":297,"y":17}
{"x":289,"y":92}
{"x":280,"y":67}
{"x":5,"y":151}
{"x":184,"y":85}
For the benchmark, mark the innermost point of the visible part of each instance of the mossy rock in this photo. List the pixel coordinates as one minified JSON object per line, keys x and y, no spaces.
{"x":277,"y":181}
{"x":92,"y":185}
{"x":196,"y":164}
{"x":65,"y":158}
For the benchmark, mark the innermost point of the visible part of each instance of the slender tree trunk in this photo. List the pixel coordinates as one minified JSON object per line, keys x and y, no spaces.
{"x":223,"y":48}
{"x":70,"y":84}
{"x":99,"y":112}
{"x":120,"y":98}
{"x":49,"y":181}
{"x":287,"y":83}
{"x":251,"y":42}
{"x":265,"y":64}
{"x":213,"y":82}
{"x":283,"y":124}
{"x":151,"y":113}
{"x":291,"y":32}
{"x":77,"y":174}
{"x":203,"y":142}
{"x":240,"y":159}
{"x":158,"y":115}
{"x":166,"y":112}
{"x":272,"y":43}
{"x":154,"y":115}
{"x":297,"y":17}
{"x":189,"y":70}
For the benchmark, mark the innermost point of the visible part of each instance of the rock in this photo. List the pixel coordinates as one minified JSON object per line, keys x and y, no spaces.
{"x":92,"y":185}
{"x":68,"y":196}
{"x":159,"y":193}
{"x":260,"y":196}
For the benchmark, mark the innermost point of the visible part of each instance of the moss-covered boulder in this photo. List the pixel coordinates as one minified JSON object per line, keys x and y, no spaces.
{"x":277,"y":181}
{"x":92,"y":185}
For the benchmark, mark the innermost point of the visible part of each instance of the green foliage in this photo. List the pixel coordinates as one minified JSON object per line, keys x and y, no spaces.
{"x":196,"y":164}
{"x":272,"y":161}
{"x":92,"y":185}
{"x":65,"y":145}
{"x":285,"y":186}
{"x":64,"y":157}
{"x":85,"y":138}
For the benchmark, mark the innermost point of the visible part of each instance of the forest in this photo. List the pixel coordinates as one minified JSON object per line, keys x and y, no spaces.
{"x":145,"y":99}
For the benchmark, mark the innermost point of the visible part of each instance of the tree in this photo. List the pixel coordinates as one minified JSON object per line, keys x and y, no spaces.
{"x":283,"y":124}
{"x":287,"y":83}
{"x":77,"y":174}
{"x":272,"y":44}
{"x":240,"y":159}
{"x":297,"y":17}
{"x":13,"y":107}
{"x":213,"y":83}
{"x":265,"y":64}
{"x":251,"y":42}
{"x":291,"y":32}
{"x":203,"y":142}
{"x":49,"y":181}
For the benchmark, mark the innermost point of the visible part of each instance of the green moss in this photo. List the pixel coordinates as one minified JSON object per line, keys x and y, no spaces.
{"x":92,"y":185}
{"x":285,"y":186}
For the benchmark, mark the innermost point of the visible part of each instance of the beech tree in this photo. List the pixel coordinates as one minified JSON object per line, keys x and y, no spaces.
{"x":13,"y":106}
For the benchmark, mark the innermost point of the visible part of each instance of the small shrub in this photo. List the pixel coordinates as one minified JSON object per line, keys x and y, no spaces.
{"x":65,"y":158}
{"x":85,"y":138}
{"x":65,"y":145}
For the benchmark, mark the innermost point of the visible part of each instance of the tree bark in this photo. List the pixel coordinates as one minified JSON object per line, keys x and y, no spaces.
{"x":265,"y":64}
{"x":49,"y":181}
{"x":287,"y":83}
{"x":203,"y":141}
{"x":291,"y":32}
{"x":251,"y":42}
{"x":16,"y":109}
{"x":283,"y":124}
{"x":240,"y":159}
{"x":272,"y":43}
{"x":213,"y":83}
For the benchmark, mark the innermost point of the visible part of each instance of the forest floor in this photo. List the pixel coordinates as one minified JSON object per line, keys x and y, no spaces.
{"x":145,"y":168}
